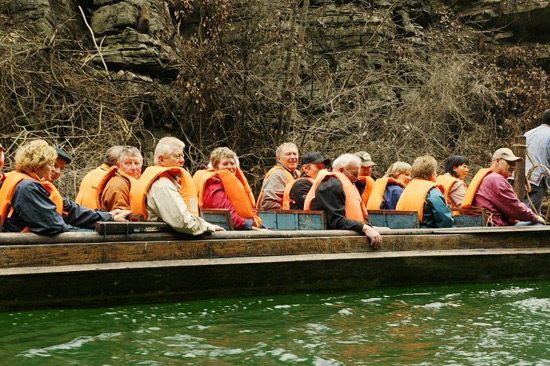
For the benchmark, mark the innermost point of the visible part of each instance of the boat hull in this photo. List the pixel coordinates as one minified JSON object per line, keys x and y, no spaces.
{"x":94,"y":270}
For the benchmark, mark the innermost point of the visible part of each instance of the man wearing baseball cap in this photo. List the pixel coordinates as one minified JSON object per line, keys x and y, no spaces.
{"x":365,"y":181}
{"x":491,"y":190}
{"x":296,"y":191}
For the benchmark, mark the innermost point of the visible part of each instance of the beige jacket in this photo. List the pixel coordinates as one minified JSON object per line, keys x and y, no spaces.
{"x":164,"y":203}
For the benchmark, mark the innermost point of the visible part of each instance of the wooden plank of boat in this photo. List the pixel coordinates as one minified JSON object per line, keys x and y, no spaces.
{"x":88,"y":269}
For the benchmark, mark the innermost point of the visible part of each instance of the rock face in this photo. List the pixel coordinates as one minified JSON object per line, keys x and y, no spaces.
{"x":129,"y":30}
{"x":518,"y":19}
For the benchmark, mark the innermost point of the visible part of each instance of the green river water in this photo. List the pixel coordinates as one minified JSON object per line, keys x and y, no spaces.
{"x":480,"y":324}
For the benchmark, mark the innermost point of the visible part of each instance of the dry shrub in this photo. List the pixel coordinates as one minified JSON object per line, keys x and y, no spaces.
{"x":50,"y":91}
{"x":255,"y":74}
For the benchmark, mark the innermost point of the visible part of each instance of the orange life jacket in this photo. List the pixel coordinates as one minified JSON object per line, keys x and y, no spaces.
{"x":138,"y":192}
{"x":8,"y":187}
{"x":92,"y":186}
{"x":131,"y":181}
{"x":369,"y":183}
{"x":236,"y":188}
{"x":289,"y":178}
{"x":376,"y":197}
{"x":474,"y":185}
{"x":287,"y":201}
{"x":355,"y":207}
{"x":447,"y":181}
{"x":414,"y":196}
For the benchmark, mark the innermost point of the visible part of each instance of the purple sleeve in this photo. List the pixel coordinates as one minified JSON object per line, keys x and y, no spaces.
{"x":506,"y":201}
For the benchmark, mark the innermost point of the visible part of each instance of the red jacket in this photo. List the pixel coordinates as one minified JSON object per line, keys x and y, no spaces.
{"x":214,"y":196}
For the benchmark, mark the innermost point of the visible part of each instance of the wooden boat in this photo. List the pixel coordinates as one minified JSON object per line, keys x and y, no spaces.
{"x":93,"y":269}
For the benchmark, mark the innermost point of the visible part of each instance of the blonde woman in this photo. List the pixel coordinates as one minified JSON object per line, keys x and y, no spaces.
{"x":423,"y":195}
{"x":387,"y":190}
{"x":29,"y":202}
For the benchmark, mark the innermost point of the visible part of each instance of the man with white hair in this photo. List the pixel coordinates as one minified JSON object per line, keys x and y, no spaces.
{"x":166,"y":191}
{"x":116,"y":193}
{"x":276,"y":179}
{"x":336,"y":194}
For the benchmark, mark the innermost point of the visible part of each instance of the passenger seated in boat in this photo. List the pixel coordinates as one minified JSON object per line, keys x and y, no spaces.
{"x":454,"y":188}
{"x":116,"y":193}
{"x":276,"y":179}
{"x":225,"y":186}
{"x":29,"y":202}
{"x":424,"y":196}
{"x":93,"y":184}
{"x":387,"y":190}
{"x":335,"y":193}
{"x":166,"y":192}
{"x":63,"y":158}
{"x":296,"y":191}
{"x":365,"y":181}
{"x":490,"y":189}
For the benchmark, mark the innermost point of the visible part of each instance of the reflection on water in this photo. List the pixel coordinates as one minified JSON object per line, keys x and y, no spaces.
{"x":488,"y":324}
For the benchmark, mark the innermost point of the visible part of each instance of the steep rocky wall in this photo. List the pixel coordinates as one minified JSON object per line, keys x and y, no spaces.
{"x":132,"y":33}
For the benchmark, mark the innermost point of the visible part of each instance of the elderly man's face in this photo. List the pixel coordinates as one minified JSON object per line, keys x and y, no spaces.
{"x":365,"y":171}
{"x":504,"y":167}
{"x":175,"y":159}
{"x":289,"y":159}
{"x":131,"y":165}
{"x":57,"y":170}
{"x":351,"y":171}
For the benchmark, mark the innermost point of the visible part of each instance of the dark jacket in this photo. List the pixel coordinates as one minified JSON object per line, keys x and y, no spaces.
{"x":299,"y":192}
{"x":330,"y":198}
{"x":33,"y":208}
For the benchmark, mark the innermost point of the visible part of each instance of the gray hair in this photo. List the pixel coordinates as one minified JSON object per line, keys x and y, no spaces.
{"x":166,"y":146}
{"x":343,"y":161}
{"x":284,"y":147}
{"x":222,"y":152}
{"x":112,"y":154}
{"x":129,"y":151}
{"x":397,"y":168}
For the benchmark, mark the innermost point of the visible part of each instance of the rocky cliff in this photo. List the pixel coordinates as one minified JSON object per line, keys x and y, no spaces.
{"x":396,"y":78}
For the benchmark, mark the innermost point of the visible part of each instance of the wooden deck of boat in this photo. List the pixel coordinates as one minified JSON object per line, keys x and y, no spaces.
{"x":89,"y":269}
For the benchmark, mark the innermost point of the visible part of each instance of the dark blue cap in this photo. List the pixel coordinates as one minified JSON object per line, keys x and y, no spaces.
{"x":63,"y":155}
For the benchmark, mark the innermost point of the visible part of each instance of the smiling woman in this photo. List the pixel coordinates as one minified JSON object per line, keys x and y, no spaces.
{"x":29,"y":202}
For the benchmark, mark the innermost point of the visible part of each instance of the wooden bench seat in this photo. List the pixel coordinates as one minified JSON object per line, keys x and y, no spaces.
{"x":394,"y":219}
{"x":293,"y":220}
{"x":470,"y":217}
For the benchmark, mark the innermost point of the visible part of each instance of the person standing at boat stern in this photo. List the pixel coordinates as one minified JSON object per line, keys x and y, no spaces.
{"x":424,"y":196}
{"x":335,"y":193}
{"x":491,"y":190}
{"x":29,"y":202}
{"x":276,"y":179}
{"x":538,"y":148}
{"x":166,"y":192}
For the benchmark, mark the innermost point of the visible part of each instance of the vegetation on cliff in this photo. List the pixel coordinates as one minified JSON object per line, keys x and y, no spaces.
{"x":395,"y":78}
